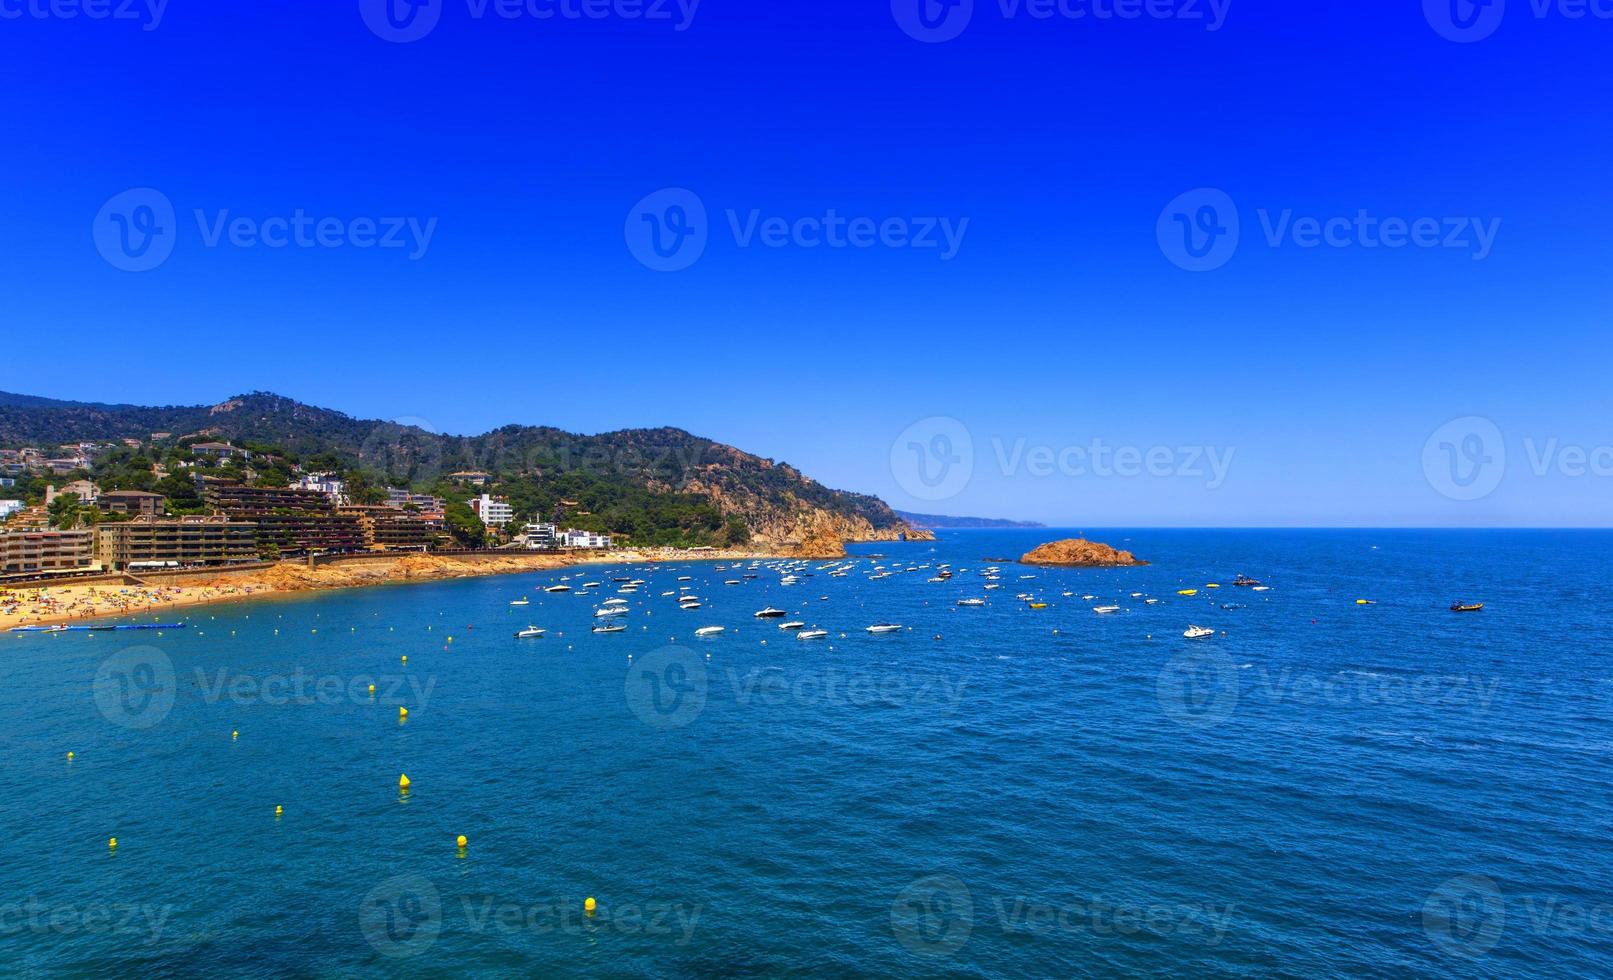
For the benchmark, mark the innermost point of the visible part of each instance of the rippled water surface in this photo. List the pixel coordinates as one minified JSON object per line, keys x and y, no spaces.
{"x":1327,"y":788}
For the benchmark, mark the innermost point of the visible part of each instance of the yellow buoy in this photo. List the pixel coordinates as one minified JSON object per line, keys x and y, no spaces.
{"x":403,"y":781}
{"x":588,"y":905}
{"x":112,"y":843}
{"x":406,"y":658}
{"x":278,"y":810}
{"x":235,"y":734}
{"x":402,"y":711}
{"x":372,"y":690}
{"x":69,"y":757}
{"x":461,"y":841}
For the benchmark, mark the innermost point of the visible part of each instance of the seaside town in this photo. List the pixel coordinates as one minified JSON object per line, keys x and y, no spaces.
{"x":192,"y":503}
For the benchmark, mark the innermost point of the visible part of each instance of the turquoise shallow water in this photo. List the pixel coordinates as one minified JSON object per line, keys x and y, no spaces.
{"x":1326,"y":789}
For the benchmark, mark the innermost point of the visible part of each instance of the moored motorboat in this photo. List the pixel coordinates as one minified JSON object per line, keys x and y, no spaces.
{"x":1198,"y":632}
{"x":709,"y":630}
{"x":971,"y":602}
{"x":793,"y":624}
{"x":1466,"y":606}
{"x":883,"y":628}
{"x":811,"y":634}
{"x":558,"y":588}
{"x":768,"y":613}
{"x":1105,"y":609}
{"x":609,"y":628}
{"x":528,"y":633}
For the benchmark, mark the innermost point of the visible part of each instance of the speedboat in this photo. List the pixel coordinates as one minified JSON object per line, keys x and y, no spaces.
{"x":691,"y":604}
{"x":1260,"y":588}
{"x":811,"y":634}
{"x":709,"y":630}
{"x":609,"y":628}
{"x":883,"y":628}
{"x":971,"y":602}
{"x":1105,"y":609}
{"x":591,"y":585}
{"x":1245,"y":582}
{"x":520,"y":602}
{"x":611,"y":611}
{"x":1198,"y":632}
{"x":529,"y":633}
{"x":769,"y":613}
{"x":791,"y":625}
{"x":1466,"y":606}
{"x":614,"y":602}
{"x":558,"y":588}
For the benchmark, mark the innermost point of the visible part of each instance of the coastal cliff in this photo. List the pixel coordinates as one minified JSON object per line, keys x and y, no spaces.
{"x":1079,"y":553}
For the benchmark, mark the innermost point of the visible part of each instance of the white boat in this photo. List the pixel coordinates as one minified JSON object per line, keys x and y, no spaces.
{"x":971,"y":602}
{"x":520,"y":602}
{"x":811,"y":634}
{"x":732,"y":581}
{"x":591,"y":585}
{"x":681,"y":578}
{"x":609,"y":628}
{"x":1260,"y":588}
{"x":1105,"y":609}
{"x":709,"y":630}
{"x":558,"y":588}
{"x":1198,"y":632}
{"x":528,"y":633}
{"x":688,"y":605}
{"x":614,"y":602}
{"x":611,"y":611}
{"x":883,"y":628}
{"x":1151,"y":602}
{"x":768,"y":613}
{"x":792,"y":625}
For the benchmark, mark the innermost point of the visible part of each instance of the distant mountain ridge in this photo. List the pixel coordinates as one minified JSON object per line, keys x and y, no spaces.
{"x":776,"y":501}
{"x":941,"y":522}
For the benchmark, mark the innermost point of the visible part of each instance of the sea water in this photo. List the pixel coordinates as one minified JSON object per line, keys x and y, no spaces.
{"x":1323,"y":787}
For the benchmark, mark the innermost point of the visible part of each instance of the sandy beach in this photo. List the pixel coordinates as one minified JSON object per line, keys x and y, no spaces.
{"x":40,"y":605}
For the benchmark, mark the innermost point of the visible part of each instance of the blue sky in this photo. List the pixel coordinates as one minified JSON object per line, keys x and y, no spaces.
{"x":1058,"y":324}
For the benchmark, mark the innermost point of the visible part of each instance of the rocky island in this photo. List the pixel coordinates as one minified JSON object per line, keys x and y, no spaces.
{"x":1079,"y":553}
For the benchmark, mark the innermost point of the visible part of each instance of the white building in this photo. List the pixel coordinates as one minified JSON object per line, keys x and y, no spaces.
{"x":539,"y":537}
{"x":9,"y":507}
{"x":492,"y":512}
{"x":405,"y":498}
{"x":326,"y":484}
{"x":584,"y":539}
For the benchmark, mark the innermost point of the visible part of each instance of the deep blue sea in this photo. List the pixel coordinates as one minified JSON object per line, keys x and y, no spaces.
{"x":1324,"y":788}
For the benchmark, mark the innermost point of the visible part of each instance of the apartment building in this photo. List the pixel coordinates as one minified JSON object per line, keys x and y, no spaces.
{"x":35,"y":552}
{"x":149,"y":541}
{"x":492,"y":511}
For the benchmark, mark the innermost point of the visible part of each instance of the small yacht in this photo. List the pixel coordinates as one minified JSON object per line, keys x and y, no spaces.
{"x":614,"y":602}
{"x":558,"y":588}
{"x":811,"y":634}
{"x":769,"y":613}
{"x":691,"y":604}
{"x":708,"y":630}
{"x":611,"y":611}
{"x":883,"y":628}
{"x":1198,"y":632}
{"x":609,"y":628}
{"x":792,"y":625}
{"x":971,"y":602}
{"x":1105,"y":609}
{"x":529,"y":633}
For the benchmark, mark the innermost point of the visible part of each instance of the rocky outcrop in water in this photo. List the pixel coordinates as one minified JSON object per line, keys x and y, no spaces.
{"x":1079,"y":553}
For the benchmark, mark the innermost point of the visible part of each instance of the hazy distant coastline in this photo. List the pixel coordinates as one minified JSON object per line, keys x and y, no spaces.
{"x":942,"y":522}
